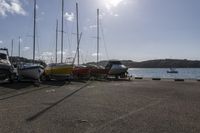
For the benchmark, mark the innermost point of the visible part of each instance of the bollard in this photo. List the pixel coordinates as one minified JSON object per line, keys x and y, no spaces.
{"x":156,"y":78}
{"x":138,"y":77}
{"x":179,"y":80}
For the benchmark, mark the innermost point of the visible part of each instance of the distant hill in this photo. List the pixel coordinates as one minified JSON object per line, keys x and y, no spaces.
{"x":17,"y":59}
{"x":162,"y":63}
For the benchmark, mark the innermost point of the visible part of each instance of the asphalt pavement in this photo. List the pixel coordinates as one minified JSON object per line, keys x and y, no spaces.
{"x":137,"y":106}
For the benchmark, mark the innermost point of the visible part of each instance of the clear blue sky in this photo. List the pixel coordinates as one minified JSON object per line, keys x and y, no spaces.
{"x":133,"y":29}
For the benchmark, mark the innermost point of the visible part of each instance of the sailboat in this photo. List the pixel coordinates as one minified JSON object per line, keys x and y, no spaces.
{"x":59,"y":70}
{"x":113,"y":68}
{"x":79,"y":71}
{"x":31,"y":70}
{"x":98,"y":70}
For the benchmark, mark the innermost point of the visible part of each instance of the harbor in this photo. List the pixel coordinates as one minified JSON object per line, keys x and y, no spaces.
{"x":101,"y":106}
{"x":102,"y":66}
{"x":37,"y":70}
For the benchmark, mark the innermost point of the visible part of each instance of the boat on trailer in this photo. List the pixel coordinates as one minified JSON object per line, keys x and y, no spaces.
{"x":58,"y":71}
{"x":79,"y":71}
{"x":6,"y":68}
{"x":31,"y":70}
{"x":97,"y":71}
{"x":116,"y":68}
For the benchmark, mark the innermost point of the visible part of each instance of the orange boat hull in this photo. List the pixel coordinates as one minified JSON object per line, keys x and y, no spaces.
{"x":81,"y":71}
{"x":98,"y":71}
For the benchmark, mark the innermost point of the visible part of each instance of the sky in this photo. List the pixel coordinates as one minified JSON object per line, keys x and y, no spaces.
{"x":136,"y":30}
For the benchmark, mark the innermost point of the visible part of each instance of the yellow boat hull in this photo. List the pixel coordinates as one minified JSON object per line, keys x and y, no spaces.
{"x":59,"y":70}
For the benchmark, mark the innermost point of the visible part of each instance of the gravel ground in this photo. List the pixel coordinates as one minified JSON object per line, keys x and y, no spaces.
{"x":138,"y":106}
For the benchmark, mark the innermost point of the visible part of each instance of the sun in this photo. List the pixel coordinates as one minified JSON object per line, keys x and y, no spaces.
{"x":112,"y":3}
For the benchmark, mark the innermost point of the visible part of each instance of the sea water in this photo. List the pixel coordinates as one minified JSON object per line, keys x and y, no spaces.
{"x":183,"y":73}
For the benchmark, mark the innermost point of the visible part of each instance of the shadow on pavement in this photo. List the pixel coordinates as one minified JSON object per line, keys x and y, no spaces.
{"x":56,"y":103}
{"x":55,"y":82}
{"x":17,"y":85}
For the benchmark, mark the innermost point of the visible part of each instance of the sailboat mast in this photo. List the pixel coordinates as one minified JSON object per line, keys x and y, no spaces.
{"x":77,"y":25}
{"x":34,"y":30}
{"x":56,"y":40}
{"x":97,"y":37}
{"x":19,"y":48}
{"x":12,"y":42}
{"x":62,"y":23}
{"x":12,"y":50}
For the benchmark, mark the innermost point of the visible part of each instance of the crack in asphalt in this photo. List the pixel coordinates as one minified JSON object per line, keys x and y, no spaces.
{"x":93,"y":130}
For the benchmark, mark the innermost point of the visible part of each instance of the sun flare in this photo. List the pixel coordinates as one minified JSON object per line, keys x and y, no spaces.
{"x":112,"y":3}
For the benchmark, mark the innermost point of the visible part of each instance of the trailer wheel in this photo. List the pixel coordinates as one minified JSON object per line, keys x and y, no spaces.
{"x":47,"y":78}
{"x":42,"y":77}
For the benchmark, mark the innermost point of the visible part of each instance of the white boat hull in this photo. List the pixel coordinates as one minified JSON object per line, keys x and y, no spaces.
{"x":172,"y":70}
{"x":31,"y":73}
{"x":117,"y":70}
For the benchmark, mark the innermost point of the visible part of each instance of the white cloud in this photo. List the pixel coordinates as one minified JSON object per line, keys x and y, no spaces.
{"x":47,"y":54}
{"x":112,"y":3}
{"x":73,"y":52}
{"x":115,"y":3}
{"x":95,"y":54}
{"x":1,"y":41}
{"x":59,"y":52}
{"x":26,"y":48}
{"x":116,"y":15}
{"x":102,"y":14}
{"x":69,"y":16}
{"x":88,"y":20}
{"x":85,"y":28}
{"x":64,"y":52}
{"x":92,"y":26}
{"x":37,"y":7}
{"x":11,"y":6}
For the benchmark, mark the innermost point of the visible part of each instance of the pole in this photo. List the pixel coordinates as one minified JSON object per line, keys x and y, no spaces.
{"x":97,"y":37}
{"x":19,"y":52}
{"x":12,"y":47}
{"x":12,"y":51}
{"x":56,"y":40}
{"x":34,"y":30}
{"x":77,"y":24}
{"x":62,"y":31}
